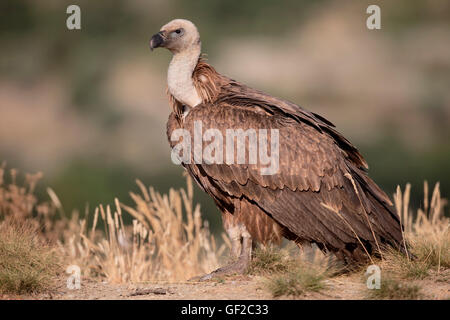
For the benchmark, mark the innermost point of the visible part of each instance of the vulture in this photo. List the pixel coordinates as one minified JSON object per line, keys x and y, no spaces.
{"x":320,"y":192}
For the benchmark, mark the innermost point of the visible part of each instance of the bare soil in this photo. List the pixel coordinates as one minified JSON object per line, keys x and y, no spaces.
{"x":235,"y":288}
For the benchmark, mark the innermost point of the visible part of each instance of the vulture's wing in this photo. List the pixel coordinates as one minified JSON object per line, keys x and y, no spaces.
{"x":236,"y":93}
{"x":320,"y":192}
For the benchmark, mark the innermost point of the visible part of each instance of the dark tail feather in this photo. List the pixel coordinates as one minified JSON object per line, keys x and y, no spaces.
{"x":389,"y":229}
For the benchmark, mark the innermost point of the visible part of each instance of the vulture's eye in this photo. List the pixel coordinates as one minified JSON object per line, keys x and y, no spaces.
{"x":177,"y":32}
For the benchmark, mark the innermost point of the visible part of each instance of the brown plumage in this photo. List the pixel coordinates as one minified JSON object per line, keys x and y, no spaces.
{"x":321,"y":193}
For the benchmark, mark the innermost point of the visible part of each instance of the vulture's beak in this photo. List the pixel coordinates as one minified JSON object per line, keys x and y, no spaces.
{"x":156,"y":41}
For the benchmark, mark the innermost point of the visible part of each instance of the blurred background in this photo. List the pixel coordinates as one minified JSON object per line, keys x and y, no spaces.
{"x":88,"y":107}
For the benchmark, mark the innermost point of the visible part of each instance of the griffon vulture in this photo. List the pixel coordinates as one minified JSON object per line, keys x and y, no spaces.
{"x":321,"y":192}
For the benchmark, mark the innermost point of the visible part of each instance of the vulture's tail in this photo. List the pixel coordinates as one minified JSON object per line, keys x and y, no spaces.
{"x":388,"y":229}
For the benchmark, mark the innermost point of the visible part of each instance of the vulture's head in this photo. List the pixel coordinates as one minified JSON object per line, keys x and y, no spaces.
{"x":178,"y":35}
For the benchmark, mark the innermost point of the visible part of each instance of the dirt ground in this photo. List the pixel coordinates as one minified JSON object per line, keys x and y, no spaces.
{"x":232,"y":288}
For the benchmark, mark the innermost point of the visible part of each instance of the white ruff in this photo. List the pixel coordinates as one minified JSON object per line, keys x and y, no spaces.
{"x":179,"y":77}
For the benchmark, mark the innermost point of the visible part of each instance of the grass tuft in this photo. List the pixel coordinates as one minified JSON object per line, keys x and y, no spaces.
{"x":27,"y":264}
{"x":405,"y":268}
{"x":288,"y":274}
{"x":392,"y":289}
{"x":297,"y":281}
{"x":269,"y":260}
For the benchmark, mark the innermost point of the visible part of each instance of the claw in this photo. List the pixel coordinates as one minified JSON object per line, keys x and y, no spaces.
{"x":237,"y":267}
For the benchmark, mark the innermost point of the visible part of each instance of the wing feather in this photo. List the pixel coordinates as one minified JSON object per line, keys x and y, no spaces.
{"x":315,"y":163}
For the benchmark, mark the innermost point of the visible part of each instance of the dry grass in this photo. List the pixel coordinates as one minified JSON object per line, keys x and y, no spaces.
{"x":27,"y":262}
{"x":426,"y":235}
{"x":270,"y":260}
{"x":298,"y":280}
{"x":18,"y":201}
{"x":168,"y":240}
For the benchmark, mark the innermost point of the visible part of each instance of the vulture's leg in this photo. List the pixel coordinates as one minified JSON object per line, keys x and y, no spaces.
{"x":233,"y":229}
{"x":240,"y":265}
{"x":234,"y":233}
{"x":246,"y":252}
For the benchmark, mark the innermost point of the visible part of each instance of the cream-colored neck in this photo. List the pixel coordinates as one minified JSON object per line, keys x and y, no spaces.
{"x":179,"y":76}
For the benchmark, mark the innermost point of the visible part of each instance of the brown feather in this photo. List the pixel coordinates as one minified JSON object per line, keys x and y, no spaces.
{"x":315,"y":161}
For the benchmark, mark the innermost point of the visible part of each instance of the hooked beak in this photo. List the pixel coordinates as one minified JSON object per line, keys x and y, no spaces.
{"x":156,"y":41}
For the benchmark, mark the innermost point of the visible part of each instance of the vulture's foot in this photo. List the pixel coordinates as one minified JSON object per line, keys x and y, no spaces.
{"x":237,"y":267}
